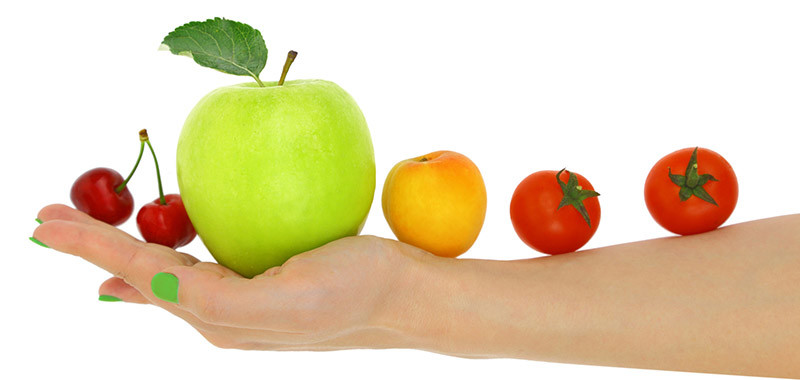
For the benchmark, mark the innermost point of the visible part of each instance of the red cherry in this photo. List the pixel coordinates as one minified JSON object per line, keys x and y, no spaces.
{"x":94,"y":193}
{"x":166,"y":224}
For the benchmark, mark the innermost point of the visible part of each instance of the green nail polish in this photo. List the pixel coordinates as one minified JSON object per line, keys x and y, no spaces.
{"x":165,"y":286}
{"x":39,"y":221}
{"x":33,"y":239}
{"x":107,"y":298}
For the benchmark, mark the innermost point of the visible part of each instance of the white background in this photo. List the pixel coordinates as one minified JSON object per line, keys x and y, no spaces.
{"x":602,"y":88}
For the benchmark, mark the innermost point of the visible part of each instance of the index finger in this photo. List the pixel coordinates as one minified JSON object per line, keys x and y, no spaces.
{"x":108,"y":248}
{"x":64,"y":212}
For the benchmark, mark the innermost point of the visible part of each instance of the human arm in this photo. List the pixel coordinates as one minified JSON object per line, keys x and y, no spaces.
{"x":723,"y":302}
{"x":726,"y":301}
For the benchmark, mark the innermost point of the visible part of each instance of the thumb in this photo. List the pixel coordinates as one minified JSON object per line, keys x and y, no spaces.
{"x":211,"y":295}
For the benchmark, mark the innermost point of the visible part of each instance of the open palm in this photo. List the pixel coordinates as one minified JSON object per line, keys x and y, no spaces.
{"x":329,"y":298}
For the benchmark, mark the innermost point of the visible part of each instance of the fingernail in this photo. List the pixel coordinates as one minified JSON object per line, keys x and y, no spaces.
{"x":165,"y":286}
{"x":39,"y":221}
{"x":33,"y":239}
{"x":107,"y":298}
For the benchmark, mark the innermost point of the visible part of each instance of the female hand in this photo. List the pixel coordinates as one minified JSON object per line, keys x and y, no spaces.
{"x":333,"y":297}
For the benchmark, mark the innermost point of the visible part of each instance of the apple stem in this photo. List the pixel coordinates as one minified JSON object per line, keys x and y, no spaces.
{"x":145,"y":139}
{"x":125,"y":182}
{"x":289,"y":59}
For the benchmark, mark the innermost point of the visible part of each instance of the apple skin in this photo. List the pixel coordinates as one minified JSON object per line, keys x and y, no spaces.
{"x":436,"y":202}
{"x":269,"y":172}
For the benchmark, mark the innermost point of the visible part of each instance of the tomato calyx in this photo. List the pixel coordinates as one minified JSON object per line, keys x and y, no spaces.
{"x":691,"y":183}
{"x":574,"y":194}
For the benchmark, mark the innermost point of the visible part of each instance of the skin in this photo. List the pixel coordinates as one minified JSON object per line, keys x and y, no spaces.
{"x":725,"y":301}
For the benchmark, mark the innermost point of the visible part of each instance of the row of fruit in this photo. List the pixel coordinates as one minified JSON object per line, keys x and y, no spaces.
{"x":437,"y":202}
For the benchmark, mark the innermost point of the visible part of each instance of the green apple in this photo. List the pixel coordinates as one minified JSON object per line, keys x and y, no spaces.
{"x":269,"y":172}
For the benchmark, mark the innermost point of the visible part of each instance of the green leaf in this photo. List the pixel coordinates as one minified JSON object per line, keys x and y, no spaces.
{"x":702,"y":194}
{"x":582,"y":209}
{"x":685,"y":193}
{"x":572,"y":182}
{"x":586,"y":194}
{"x":705,"y":178}
{"x":564,"y":202}
{"x":676,"y":178}
{"x":560,"y":182}
{"x":692,"y":163}
{"x":224,"y":45}
{"x":564,"y":189}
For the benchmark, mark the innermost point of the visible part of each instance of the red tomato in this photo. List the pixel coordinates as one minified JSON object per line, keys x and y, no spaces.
{"x":691,"y":208}
{"x":543,"y":223}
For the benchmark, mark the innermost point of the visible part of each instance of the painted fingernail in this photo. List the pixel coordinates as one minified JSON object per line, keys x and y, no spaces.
{"x":165,"y":286}
{"x":35,"y":240}
{"x":39,"y":221}
{"x":107,"y":298}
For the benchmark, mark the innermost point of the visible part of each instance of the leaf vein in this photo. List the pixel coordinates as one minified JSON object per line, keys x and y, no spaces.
{"x":212,"y":38}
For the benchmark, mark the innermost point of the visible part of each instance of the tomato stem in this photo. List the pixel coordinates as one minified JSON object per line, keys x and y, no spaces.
{"x":574,"y":194}
{"x":691,"y":183}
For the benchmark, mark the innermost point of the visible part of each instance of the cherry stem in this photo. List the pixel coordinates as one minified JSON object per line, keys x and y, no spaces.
{"x":289,"y":59}
{"x":145,"y":139}
{"x":125,"y":182}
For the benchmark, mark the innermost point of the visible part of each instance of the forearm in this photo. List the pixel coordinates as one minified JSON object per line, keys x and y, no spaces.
{"x":722,"y":302}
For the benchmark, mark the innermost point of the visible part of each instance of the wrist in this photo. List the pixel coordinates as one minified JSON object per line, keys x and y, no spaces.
{"x":409,"y":307}
{"x":460,"y":307}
